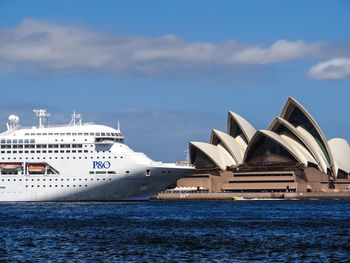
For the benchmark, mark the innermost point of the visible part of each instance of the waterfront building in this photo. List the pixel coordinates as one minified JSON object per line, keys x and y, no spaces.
{"x":291,"y":155}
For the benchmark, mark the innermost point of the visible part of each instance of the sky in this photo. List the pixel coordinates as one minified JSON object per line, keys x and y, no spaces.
{"x":171,"y":70}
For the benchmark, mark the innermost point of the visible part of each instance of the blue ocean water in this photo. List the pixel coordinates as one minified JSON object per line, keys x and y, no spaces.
{"x":177,"y":231}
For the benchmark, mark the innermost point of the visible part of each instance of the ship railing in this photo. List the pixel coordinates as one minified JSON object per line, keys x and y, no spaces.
{"x":59,"y":125}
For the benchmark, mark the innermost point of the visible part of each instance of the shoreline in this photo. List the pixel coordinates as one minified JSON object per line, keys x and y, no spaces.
{"x":242,"y":196}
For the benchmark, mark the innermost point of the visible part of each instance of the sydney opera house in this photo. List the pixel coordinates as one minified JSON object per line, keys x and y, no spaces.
{"x":291,"y":155}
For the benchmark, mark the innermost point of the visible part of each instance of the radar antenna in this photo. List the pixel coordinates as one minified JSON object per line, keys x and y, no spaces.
{"x":118,"y":126}
{"x":42,"y":114}
{"x":75,"y":117}
{"x":13,"y":122}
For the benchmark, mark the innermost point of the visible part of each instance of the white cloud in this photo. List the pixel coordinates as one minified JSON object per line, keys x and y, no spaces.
{"x":334,"y":69}
{"x":64,"y":47}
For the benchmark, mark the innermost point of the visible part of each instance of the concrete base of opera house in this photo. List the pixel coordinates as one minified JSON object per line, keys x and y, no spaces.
{"x":243,"y":196}
{"x":297,"y":182}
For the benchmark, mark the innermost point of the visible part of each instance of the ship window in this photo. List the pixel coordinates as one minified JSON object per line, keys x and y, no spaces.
{"x":50,"y":151}
{"x":61,"y":151}
{"x":50,"y":133}
{"x":74,"y":151}
{"x":41,"y":146}
{"x":2,"y":140}
{"x":61,"y":133}
{"x":108,"y":134}
{"x":38,"y":134}
{"x":8,"y":141}
{"x":20,"y":141}
{"x":38,"y":151}
{"x":80,"y":133}
{"x":32,"y":151}
{"x":85,"y":151}
{"x":68,"y":133}
{"x":2,"y":151}
{"x":103,"y":134}
{"x":26,"y":134}
{"x":86,"y":133}
{"x":56,"y":133}
{"x":91,"y":133}
{"x":14,"y":141}
{"x":97,"y":134}
{"x":55,"y":151}
{"x":79,"y":151}
{"x":8,"y":152}
{"x":15,"y":152}
{"x":67,"y":151}
{"x":32,"y":140}
{"x":44,"y":133}
{"x":44,"y":151}
{"x":26,"y":141}
{"x":32,"y":134}
{"x":20,"y":151}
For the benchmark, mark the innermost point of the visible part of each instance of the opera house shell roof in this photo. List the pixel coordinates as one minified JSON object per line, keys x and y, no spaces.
{"x":293,"y":138}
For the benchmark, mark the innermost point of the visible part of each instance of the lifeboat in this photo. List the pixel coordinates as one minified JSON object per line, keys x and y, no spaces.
{"x":36,"y":168}
{"x":10,"y":166}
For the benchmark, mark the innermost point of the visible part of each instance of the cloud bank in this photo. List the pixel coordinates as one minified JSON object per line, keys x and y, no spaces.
{"x":334,"y":69}
{"x":57,"y":48}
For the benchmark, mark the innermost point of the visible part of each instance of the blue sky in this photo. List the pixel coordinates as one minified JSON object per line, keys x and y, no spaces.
{"x":170,"y":70}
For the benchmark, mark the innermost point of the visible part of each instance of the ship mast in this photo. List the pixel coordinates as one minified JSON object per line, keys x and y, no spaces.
{"x":42,"y":114}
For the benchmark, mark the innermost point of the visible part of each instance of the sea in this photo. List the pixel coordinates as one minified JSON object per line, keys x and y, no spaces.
{"x":176,"y":231}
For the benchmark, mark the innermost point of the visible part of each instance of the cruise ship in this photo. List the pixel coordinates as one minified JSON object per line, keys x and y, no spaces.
{"x":77,"y":162}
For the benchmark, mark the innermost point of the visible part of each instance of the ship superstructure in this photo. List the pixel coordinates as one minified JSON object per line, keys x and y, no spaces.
{"x":77,"y":162}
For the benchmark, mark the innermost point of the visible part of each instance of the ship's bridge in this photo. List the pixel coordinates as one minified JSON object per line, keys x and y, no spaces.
{"x":101,"y":134}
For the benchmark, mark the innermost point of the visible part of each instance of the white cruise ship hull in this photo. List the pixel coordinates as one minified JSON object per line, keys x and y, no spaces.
{"x":131,"y":187}
{"x":77,"y":162}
